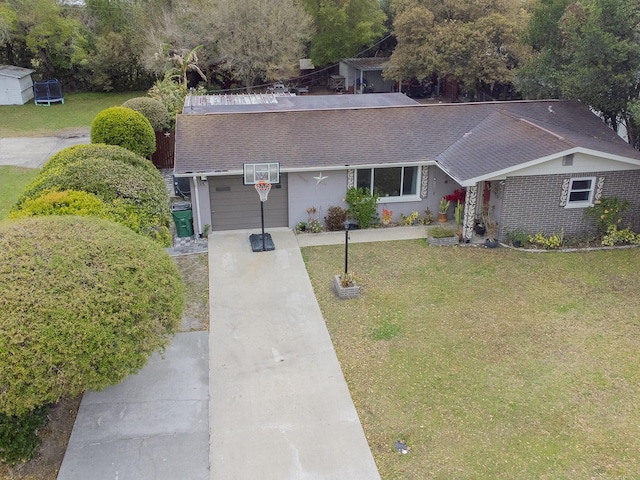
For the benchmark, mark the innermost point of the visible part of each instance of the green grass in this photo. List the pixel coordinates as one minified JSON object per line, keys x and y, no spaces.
{"x":12,"y":183}
{"x":78,"y":111}
{"x":490,"y":363}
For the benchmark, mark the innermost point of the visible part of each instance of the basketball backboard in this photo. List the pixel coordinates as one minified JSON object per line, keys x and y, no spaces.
{"x":268,"y":172}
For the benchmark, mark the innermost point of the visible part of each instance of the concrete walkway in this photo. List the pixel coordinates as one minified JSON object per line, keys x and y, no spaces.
{"x":33,"y":152}
{"x":152,"y":425}
{"x":280,"y":407}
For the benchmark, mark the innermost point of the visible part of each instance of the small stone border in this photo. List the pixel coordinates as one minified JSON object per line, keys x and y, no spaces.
{"x":345,"y":292}
{"x":568,"y":250}
{"x":443,"y":242}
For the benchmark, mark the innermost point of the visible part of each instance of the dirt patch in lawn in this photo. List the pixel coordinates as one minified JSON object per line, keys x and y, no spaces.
{"x":55,"y":435}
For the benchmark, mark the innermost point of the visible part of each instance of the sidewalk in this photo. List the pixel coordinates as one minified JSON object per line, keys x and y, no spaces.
{"x":280,"y":407}
{"x":152,"y":425}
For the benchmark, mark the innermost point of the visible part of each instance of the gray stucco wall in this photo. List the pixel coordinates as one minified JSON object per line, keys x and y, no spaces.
{"x":305,"y":192}
{"x":533,"y":203}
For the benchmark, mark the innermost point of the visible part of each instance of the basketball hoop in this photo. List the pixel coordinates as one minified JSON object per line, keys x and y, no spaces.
{"x":263,"y":188}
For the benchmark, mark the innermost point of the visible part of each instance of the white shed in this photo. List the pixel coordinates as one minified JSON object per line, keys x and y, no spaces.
{"x":16,"y":86}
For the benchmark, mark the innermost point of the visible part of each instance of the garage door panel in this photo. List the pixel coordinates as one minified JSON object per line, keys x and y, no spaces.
{"x":236,"y":206}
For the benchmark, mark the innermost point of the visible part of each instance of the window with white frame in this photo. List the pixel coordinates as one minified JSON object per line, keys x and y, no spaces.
{"x":581,"y":192}
{"x":389,"y":183}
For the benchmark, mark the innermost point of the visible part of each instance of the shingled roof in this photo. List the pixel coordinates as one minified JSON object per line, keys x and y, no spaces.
{"x":469,"y":141}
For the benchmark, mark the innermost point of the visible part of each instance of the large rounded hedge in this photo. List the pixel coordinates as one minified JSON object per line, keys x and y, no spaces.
{"x":131,"y":186}
{"x":97,"y":150}
{"x":153,"y":110}
{"x":125,"y":127}
{"x":85,"y":302}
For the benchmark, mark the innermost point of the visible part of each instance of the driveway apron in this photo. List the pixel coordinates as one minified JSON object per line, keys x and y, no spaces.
{"x":279,"y":405}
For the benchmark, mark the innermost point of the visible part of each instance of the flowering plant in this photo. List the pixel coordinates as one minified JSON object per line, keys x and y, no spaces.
{"x":458,"y":195}
{"x":348,"y":279}
{"x":386,"y":216}
{"x":607,"y":212}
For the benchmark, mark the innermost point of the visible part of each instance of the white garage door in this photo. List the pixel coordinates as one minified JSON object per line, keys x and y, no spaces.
{"x":235,"y":206}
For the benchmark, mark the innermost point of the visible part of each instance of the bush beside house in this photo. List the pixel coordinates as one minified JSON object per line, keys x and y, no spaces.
{"x":131,"y":187}
{"x":124,"y":127}
{"x":85,"y":303}
{"x":153,"y":110}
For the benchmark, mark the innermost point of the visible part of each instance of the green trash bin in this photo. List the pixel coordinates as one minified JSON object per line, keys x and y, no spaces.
{"x":183,"y":218}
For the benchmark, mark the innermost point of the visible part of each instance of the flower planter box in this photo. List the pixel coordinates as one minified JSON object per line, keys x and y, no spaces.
{"x":345,"y":292}
{"x":443,"y":242}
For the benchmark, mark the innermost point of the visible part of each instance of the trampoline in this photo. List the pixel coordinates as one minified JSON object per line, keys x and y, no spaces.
{"x":47,"y":92}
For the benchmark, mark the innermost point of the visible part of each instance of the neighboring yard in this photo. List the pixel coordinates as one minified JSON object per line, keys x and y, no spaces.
{"x":77,"y":112}
{"x":12,"y":183}
{"x":490,"y":363}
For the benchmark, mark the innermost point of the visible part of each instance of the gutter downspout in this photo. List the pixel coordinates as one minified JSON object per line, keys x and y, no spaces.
{"x":198,"y":218}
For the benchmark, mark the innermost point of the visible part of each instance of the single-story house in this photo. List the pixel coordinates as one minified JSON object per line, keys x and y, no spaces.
{"x":534,"y":165}
{"x":16,"y":86}
{"x":364,"y":75}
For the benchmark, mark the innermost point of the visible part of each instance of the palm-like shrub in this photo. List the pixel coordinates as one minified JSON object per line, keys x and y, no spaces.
{"x":154,"y":111}
{"x":85,"y":302}
{"x":124,"y":127}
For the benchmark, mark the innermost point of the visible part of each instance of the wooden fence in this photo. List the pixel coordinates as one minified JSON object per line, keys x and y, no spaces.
{"x":165,"y":148}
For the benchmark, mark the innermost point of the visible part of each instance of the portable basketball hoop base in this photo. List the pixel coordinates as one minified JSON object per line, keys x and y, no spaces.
{"x":261,"y":176}
{"x":261,"y":242}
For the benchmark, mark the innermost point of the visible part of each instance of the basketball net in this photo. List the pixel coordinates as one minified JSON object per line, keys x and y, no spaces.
{"x":263,"y":188}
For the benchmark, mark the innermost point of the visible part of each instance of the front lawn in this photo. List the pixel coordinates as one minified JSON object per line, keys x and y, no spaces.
{"x":12,"y":183}
{"x":78,"y":111}
{"x":490,"y":363}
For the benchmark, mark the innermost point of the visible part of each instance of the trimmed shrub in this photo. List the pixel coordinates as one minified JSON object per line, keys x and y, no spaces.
{"x":335,"y":218}
{"x":67,"y":202}
{"x":19,"y":435}
{"x":85,"y":303}
{"x":154,"y":111}
{"x":97,"y":150}
{"x":363,"y":206}
{"x":132,"y":188}
{"x":125,"y":127}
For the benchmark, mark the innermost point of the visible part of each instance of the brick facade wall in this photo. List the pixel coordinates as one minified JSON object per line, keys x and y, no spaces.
{"x":532,"y":203}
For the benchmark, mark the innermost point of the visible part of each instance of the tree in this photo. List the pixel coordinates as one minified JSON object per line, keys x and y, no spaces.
{"x":53,"y":38}
{"x":261,"y":40}
{"x":589,"y":51}
{"x":475,"y":42}
{"x":344,"y":27}
{"x":124,"y":127}
{"x":85,"y":302}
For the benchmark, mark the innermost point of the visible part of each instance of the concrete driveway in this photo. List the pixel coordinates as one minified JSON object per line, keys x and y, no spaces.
{"x":280,"y":407}
{"x":33,"y":152}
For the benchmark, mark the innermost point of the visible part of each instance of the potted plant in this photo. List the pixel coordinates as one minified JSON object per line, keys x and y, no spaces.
{"x":458,"y":212}
{"x":346,"y":285}
{"x":442,"y":210}
{"x":492,"y":230}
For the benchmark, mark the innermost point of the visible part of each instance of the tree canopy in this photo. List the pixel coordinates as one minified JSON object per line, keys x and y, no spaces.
{"x":344,"y":27}
{"x":472,"y":41}
{"x":590,"y":51}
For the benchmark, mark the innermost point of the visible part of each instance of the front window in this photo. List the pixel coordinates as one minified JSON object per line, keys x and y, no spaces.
{"x":394,"y":182}
{"x":581,"y":192}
